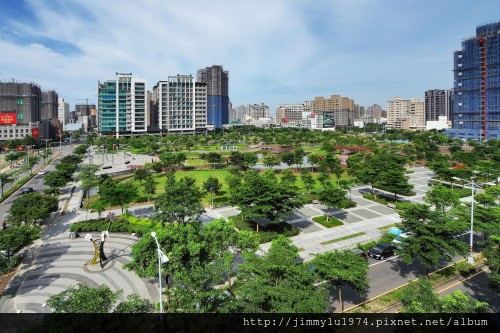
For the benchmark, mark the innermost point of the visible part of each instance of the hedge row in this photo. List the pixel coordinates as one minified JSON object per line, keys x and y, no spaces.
{"x":103,"y":225}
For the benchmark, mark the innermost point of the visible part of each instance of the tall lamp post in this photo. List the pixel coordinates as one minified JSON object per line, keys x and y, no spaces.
{"x":162,"y":258}
{"x":473,"y":186}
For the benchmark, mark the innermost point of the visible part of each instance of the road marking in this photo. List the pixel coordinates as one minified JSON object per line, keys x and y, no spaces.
{"x":4,"y":215}
{"x":381,"y":261}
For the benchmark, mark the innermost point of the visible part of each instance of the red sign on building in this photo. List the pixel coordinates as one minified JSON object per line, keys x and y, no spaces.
{"x":8,"y":118}
{"x":34,"y":133}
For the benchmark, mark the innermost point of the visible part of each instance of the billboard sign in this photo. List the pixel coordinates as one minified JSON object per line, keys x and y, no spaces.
{"x":8,"y":118}
{"x":34,"y":133}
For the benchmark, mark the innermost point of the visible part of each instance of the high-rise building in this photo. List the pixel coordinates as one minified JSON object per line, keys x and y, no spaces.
{"x":22,"y":100}
{"x":476,"y":72}
{"x":50,"y":103}
{"x":63,"y":112}
{"x":289,"y":114}
{"x":181,"y":104}
{"x":374,"y":112}
{"x":437,"y":104}
{"x":336,"y":109}
{"x":257,"y":111}
{"x":405,"y":114}
{"x":122,"y":105}
{"x":217,"y":81}
{"x":237,"y":114}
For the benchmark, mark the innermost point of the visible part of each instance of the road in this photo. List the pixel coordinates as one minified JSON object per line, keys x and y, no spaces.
{"x":36,"y":183}
{"x":391,"y":273}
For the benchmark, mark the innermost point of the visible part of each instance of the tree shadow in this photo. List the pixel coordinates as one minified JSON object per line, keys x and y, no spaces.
{"x":482,"y":291}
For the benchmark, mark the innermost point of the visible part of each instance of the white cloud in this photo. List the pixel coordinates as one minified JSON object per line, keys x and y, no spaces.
{"x":276,"y":51}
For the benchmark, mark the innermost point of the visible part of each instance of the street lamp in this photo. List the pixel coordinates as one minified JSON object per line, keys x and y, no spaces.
{"x":473,"y":186}
{"x":162,"y":258}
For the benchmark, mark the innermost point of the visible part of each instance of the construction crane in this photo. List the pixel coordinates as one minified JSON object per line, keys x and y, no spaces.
{"x":59,"y":132}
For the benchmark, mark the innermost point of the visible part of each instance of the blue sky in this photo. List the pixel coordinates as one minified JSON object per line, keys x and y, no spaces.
{"x":276,"y":52}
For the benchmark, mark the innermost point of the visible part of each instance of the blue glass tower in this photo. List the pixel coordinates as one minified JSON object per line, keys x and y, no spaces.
{"x":476,"y":102}
{"x":217,"y":81}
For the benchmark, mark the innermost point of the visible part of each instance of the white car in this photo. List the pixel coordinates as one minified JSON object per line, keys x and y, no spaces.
{"x":399,"y":240}
{"x":41,"y":172}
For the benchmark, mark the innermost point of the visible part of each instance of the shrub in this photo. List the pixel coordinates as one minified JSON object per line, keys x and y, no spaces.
{"x":7,"y":265}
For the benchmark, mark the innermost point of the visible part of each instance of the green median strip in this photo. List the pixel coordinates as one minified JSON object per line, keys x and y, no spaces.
{"x":343,"y":238}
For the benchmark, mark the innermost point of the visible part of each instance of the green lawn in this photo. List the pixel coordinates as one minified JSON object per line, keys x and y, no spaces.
{"x":332,"y":222}
{"x":202,"y":175}
{"x":343,"y":238}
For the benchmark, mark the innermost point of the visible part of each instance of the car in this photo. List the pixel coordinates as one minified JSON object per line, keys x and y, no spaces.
{"x":358,"y":252}
{"x":41,"y":172}
{"x":27,"y":190}
{"x":398,"y":241}
{"x":381,"y":251}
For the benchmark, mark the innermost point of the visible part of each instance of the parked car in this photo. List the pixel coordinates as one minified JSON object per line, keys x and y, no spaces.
{"x":381,"y":251}
{"x":398,"y":241}
{"x":27,"y":190}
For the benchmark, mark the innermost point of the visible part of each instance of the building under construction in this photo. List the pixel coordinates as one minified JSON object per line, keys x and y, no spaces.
{"x":217,"y":81}
{"x":476,"y":102}
{"x":26,"y":110}
{"x":23,"y":99}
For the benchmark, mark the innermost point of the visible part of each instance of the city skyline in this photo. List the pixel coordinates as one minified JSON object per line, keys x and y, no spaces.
{"x":282,"y":52}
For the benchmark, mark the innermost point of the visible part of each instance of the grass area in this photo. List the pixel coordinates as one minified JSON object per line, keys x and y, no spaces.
{"x":387,"y":227}
{"x":201,"y":176}
{"x":343,"y":238}
{"x":332,"y":222}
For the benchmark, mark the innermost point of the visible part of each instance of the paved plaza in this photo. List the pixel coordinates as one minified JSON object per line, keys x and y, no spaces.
{"x":56,"y":262}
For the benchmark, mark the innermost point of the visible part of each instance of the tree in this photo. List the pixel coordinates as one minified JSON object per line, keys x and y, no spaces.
{"x":331,"y":197}
{"x":199,"y":255}
{"x":212,"y":158}
{"x":5,"y":178}
{"x":441,"y":197}
{"x":288,"y":158}
{"x":54,"y":180}
{"x":83,"y":299}
{"x":418,"y":297}
{"x":307,"y":179}
{"x":271,"y":160}
{"x":32,"y":207}
{"x":260,"y":196}
{"x":288,"y":177}
{"x":140,"y":175}
{"x":299,"y":155}
{"x":237,"y":159}
{"x":394,"y":180}
{"x":492,"y":254}
{"x":134,"y":304}
{"x":432,"y":236}
{"x":250,"y":159}
{"x":212,"y":186}
{"x":14,"y":238}
{"x":88,"y":179}
{"x":117,"y":193}
{"x":343,"y":268}
{"x":459,"y":302}
{"x":149,"y":186}
{"x":277,"y":282}
{"x":180,"y":202}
